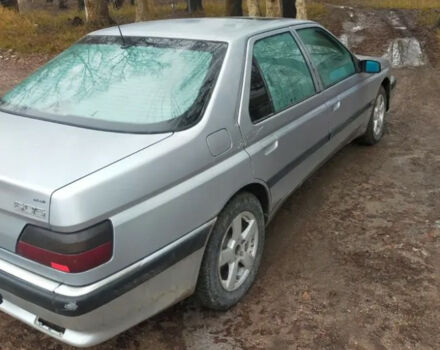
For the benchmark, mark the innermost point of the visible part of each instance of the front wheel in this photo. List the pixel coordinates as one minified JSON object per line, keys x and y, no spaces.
{"x":376,"y":125}
{"x":233,"y":253}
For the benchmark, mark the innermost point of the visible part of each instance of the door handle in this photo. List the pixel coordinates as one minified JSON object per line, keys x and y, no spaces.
{"x":272,"y":147}
{"x":336,"y":106}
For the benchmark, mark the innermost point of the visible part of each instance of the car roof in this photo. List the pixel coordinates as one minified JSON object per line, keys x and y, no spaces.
{"x":212,"y":28}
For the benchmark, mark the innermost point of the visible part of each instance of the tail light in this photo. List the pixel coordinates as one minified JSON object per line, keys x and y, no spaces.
{"x":68,"y":252}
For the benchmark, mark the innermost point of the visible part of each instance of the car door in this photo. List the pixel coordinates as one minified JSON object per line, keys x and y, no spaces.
{"x":344,"y":87}
{"x":283,"y":119}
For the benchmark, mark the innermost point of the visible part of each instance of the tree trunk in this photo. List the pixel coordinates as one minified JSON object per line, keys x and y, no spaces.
{"x":142,"y":10}
{"x":62,"y":4}
{"x":80,"y":5}
{"x":117,"y":4}
{"x":273,"y":8}
{"x":194,"y":5}
{"x":24,"y":5}
{"x":12,"y":4}
{"x":288,"y":8}
{"x":97,"y":12}
{"x":253,"y":8}
{"x":301,"y":10}
{"x":234,"y":8}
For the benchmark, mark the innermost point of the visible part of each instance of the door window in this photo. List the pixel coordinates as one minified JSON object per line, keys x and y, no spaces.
{"x":284,"y":71}
{"x":331,"y":59}
{"x":260,"y":105}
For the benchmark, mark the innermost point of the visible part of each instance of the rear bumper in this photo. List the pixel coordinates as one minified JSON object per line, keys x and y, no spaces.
{"x":85,"y":316}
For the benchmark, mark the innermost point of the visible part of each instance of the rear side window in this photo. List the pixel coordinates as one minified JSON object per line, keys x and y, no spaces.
{"x":260,"y":105}
{"x":332,"y":60}
{"x":284,"y":70}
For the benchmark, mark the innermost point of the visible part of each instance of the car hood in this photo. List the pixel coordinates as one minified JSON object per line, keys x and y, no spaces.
{"x":38,"y":157}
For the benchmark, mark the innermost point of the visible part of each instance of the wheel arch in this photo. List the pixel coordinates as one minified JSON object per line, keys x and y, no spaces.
{"x":261,"y":191}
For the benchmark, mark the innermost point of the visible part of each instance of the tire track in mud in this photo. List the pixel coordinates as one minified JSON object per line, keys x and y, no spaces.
{"x":383,"y":33}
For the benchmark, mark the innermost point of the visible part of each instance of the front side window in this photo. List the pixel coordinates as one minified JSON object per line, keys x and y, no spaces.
{"x":331,"y":59}
{"x":153,"y":85}
{"x":284,"y":70}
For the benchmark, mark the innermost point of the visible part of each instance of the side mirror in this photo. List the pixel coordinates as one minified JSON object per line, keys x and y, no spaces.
{"x":370,"y":66}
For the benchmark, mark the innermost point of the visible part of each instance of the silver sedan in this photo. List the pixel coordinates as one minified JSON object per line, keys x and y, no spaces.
{"x":141,"y":166}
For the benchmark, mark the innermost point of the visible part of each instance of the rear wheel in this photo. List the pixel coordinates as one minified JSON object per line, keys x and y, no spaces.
{"x":233,"y":253}
{"x":376,"y":125}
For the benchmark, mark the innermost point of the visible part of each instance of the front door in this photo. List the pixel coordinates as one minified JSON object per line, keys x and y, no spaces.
{"x":345,"y":89}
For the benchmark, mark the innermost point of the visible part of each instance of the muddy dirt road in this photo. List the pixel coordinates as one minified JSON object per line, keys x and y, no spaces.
{"x":352,"y":260}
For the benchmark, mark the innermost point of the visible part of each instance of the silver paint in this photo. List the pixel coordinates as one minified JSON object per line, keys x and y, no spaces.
{"x":155,"y":189}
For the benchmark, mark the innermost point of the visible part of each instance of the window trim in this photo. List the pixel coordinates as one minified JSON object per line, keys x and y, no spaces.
{"x":250,"y":48}
{"x":267,"y":91}
{"x":172,"y":125}
{"x":334,"y":39}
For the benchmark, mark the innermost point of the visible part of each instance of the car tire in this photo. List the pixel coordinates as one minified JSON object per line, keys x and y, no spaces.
{"x":376,"y":124}
{"x":233,"y":253}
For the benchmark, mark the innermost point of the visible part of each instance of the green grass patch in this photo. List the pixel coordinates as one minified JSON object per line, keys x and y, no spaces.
{"x":403,"y":4}
{"x":389,"y":4}
{"x":429,"y":18}
{"x":316,"y":11}
{"x":49,"y":33}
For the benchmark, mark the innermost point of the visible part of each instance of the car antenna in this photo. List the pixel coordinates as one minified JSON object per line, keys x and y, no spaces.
{"x":124,"y":44}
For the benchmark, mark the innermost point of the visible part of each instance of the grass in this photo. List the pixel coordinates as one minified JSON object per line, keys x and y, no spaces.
{"x":46,"y":32}
{"x":49,"y":33}
{"x":37,"y":31}
{"x":316,"y":11}
{"x":429,"y":18}
{"x":390,"y":4}
{"x":403,"y":4}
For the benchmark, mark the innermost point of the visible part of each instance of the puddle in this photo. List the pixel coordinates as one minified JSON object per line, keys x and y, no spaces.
{"x":344,"y":39}
{"x":341,"y":7}
{"x":396,"y":21}
{"x":406,"y":52}
{"x":351,"y":37}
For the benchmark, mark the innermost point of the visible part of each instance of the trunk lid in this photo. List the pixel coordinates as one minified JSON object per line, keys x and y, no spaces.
{"x":39,"y":157}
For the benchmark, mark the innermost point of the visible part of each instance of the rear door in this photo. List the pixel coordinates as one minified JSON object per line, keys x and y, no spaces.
{"x":343,"y":86}
{"x":283,"y":119}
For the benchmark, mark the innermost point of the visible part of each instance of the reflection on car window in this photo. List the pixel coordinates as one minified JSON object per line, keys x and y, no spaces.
{"x":160,"y":84}
{"x":333,"y":62}
{"x":260,"y":105}
{"x":284,"y":70}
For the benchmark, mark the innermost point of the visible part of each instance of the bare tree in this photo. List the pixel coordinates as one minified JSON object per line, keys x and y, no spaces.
{"x":194,"y":5}
{"x":97,"y":12}
{"x":273,"y":8}
{"x":288,"y":8}
{"x":24,"y":5}
{"x":253,"y":8}
{"x":62,"y":4}
{"x":12,"y":4}
{"x":117,"y":4}
{"x":301,"y":9}
{"x":234,"y":8}
{"x":142,"y":10}
{"x":294,"y":9}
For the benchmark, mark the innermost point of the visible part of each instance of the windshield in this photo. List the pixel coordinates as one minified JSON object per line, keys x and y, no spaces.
{"x":149,"y":85}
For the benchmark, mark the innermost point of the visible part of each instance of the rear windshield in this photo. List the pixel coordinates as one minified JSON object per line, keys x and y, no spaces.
{"x":148,"y":85}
